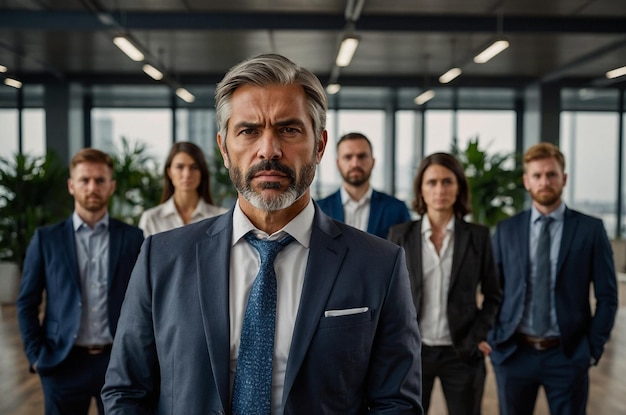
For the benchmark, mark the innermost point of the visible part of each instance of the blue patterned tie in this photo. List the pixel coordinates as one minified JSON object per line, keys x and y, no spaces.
{"x":541,"y":288}
{"x":252,"y":389}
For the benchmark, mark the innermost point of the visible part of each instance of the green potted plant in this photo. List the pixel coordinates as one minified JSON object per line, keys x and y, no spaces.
{"x":495,"y":181}
{"x":33,"y":193}
{"x":138,"y":182}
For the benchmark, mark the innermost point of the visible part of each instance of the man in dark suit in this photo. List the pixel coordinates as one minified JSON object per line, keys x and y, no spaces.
{"x":356,"y":202}
{"x":548,"y":258}
{"x":83,"y":264}
{"x":339,"y":333}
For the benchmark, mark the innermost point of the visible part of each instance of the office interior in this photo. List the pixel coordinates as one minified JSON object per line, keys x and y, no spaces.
{"x":414,"y":83}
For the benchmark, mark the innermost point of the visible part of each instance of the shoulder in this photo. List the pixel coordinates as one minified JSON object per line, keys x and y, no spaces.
{"x":153,"y":212}
{"x":330,"y":198}
{"x":118,"y":224}
{"x":519,"y":219}
{"x":208,"y":210}
{"x":404,"y":228}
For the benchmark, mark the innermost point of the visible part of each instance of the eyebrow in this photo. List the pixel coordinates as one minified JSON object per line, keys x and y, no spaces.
{"x":280,"y":123}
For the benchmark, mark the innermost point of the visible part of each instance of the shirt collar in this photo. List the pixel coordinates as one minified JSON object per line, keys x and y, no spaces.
{"x":78,"y":222}
{"x":427,"y":227}
{"x":169,"y":208}
{"x":345,"y":197}
{"x":300,"y":227}
{"x":557,"y":214}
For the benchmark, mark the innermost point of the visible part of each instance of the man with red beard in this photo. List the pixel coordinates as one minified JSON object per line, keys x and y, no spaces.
{"x":548,"y":258}
{"x":83,"y":265}
{"x":356,"y":202}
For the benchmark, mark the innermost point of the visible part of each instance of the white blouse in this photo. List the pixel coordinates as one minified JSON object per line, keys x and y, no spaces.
{"x":165,"y":216}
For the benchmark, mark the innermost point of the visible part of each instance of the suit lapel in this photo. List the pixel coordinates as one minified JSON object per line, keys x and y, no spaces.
{"x":68,"y":247}
{"x":337,"y":207}
{"x":375,"y":213}
{"x":461,"y":245}
{"x":325,"y":257}
{"x":212,"y":276}
{"x":115,"y":247}
{"x":523,"y":230}
{"x":569,"y":229}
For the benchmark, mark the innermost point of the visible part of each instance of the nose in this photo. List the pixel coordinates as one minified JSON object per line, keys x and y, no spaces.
{"x":269,"y":146}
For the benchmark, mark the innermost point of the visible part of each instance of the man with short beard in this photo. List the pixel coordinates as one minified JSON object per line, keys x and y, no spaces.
{"x":271,"y":308}
{"x":83,"y":265}
{"x":548,"y":258}
{"x":356,"y":202}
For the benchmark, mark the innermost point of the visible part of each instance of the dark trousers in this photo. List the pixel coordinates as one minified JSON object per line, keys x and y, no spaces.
{"x":462,"y":382}
{"x":69,"y":387}
{"x":565,"y":381}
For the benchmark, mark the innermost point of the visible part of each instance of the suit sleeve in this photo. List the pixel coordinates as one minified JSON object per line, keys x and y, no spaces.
{"x":394,"y":379}
{"x":490,"y":288}
{"x":605,"y":290}
{"x":132,"y":378}
{"x":30,"y":297}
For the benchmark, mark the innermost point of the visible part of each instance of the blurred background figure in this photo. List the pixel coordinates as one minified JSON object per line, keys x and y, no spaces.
{"x":356,"y":202}
{"x":448,"y":259}
{"x":186,"y":194}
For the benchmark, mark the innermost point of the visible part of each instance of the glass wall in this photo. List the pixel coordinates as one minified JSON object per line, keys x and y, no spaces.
{"x":9,"y":123}
{"x":589,"y":142}
{"x":151,"y":127}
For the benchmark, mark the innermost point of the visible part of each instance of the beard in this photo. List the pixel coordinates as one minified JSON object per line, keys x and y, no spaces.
{"x":91,"y":203}
{"x":295,"y":190}
{"x":547,"y":198}
{"x":356,"y":180}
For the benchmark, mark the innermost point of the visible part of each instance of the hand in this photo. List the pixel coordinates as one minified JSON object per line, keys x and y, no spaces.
{"x":484,"y":347}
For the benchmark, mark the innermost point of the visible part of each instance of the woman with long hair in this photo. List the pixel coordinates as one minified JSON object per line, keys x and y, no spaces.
{"x":186,"y":194}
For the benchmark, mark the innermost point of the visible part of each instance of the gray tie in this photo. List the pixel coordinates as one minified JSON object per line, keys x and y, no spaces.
{"x":541,"y":287}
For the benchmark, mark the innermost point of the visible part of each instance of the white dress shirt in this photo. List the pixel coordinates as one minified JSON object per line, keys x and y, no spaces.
{"x":436,"y":270}
{"x":165,"y":216}
{"x":290,"y":265}
{"x":356,"y":213}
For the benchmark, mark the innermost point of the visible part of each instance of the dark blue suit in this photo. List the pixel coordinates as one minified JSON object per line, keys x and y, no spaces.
{"x":584,"y":260}
{"x":385,"y":211}
{"x":172,"y":351}
{"x":51,"y":266}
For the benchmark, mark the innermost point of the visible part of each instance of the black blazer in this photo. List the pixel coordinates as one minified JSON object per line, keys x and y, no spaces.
{"x":472,"y":266}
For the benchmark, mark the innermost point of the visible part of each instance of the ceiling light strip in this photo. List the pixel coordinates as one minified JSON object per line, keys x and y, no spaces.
{"x":346,"y":51}
{"x":491,"y":51}
{"x":450,"y":75}
{"x":128,"y":48}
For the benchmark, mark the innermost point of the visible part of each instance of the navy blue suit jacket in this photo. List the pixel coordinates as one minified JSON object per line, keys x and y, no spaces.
{"x":51,"y":266}
{"x":585,"y":259}
{"x":385,"y":211}
{"x":171,"y":354}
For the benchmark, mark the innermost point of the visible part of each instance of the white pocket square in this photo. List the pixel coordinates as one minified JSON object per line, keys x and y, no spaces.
{"x":345,"y":312}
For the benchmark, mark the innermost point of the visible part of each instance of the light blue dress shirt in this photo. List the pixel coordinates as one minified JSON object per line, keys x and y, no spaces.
{"x":92,"y":254}
{"x":556,"y":232}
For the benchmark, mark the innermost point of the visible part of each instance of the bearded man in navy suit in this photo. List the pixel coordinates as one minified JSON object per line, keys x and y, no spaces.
{"x":546,"y":334}
{"x":83,"y":265}
{"x":356,"y":202}
{"x":345,"y":339}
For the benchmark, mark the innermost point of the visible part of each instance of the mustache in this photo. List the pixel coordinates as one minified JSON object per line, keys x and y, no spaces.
{"x":267,"y":165}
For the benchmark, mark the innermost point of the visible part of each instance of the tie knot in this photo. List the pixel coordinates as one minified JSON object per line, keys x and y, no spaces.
{"x":268,"y":249}
{"x":546,"y":221}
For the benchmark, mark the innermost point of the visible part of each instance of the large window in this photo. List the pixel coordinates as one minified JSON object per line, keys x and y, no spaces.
{"x":589,"y":143}
{"x":495,"y":130}
{"x":152,"y":127}
{"x":8,"y":121}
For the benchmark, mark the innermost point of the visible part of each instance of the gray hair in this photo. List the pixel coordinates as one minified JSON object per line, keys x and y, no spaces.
{"x":266,"y":70}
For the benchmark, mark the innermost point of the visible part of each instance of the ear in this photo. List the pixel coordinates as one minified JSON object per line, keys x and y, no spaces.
{"x":564,"y":179}
{"x":321,"y":146}
{"x":70,"y":186}
{"x":221,"y":143}
{"x":525,"y":179}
